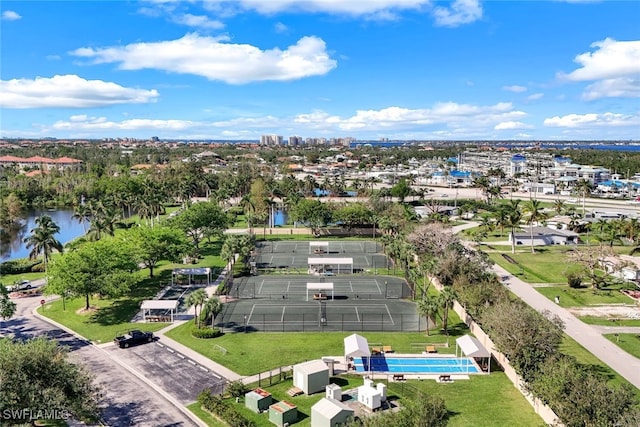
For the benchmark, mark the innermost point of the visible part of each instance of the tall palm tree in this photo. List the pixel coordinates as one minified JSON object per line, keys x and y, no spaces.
{"x":211,"y":308}
{"x":81,"y":214}
{"x":42,"y":239}
{"x":535,"y":213}
{"x":446,"y":299}
{"x":559,"y":206}
{"x":428,"y":307}
{"x":196,"y":299}
{"x":514,"y":216}
{"x":583,"y":187}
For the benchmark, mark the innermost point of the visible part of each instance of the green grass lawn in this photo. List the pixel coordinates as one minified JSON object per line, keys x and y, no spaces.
{"x":255,"y":352}
{"x":547,"y":265}
{"x":100,"y":326}
{"x":483,"y":400}
{"x":628,"y":342}
{"x":571,"y":297}
{"x":605,"y":321}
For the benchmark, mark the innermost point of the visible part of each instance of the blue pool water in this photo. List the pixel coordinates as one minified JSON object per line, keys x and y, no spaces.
{"x":411,"y":365}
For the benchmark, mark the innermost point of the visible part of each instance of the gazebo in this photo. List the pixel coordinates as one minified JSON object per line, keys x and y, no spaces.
{"x":158,"y":304}
{"x":319,"y":287}
{"x":356,"y":346}
{"x":192,"y":272}
{"x":471,"y":347}
{"x":324,"y":266}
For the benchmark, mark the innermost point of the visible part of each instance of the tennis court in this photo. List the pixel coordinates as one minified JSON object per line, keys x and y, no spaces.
{"x":333,"y":257}
{"x":325,"y":315}
{"x":306,"y":287}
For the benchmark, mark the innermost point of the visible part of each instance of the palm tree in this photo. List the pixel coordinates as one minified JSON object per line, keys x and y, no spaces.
{"x":81,"y":214}
{"x":212,"y":307}
{"x":42,"y":239}
{"x":446,"y":299}
{"x":197,"y":299}
{"x":583,"y":188}
{"x":559,"y":206}
{"x":514,"y":216}
{"x":428,"y":307}
{"x":535,"y":213}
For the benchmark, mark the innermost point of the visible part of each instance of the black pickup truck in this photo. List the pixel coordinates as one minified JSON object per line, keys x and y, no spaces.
{"x":132,"y":338}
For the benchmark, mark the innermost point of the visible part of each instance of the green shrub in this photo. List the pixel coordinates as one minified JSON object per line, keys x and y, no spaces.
{"x":236,"y":388}
{"x":205,"y":332}
{"x":19,"y":266}
{"x":216,"y":405}
{"x":574,"y":280}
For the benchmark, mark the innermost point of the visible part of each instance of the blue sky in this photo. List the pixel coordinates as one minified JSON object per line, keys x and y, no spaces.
{"x":368,"y":69}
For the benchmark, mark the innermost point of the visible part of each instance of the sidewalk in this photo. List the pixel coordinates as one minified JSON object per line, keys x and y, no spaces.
{"x":586,"y":335}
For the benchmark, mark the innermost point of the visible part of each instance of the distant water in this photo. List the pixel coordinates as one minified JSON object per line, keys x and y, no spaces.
{"x":12,"y":244}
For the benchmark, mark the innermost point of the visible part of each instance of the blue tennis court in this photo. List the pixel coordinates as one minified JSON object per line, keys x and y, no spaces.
{"x":416,"y":365}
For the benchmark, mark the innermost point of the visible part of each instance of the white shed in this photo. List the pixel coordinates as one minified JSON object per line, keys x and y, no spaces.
{"x":329,"y":413}
{"x":311,"y":377}
{"x":370,"y":395}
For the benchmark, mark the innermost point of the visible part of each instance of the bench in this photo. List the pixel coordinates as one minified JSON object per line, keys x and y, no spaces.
{"x":431,"y":349}
{"x":398,"y":377}
{"x":445,"y":379}
{"x":319,"y":296}
{"x":294,"y":391}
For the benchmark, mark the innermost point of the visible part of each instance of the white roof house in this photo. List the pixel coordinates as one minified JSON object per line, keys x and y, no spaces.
{"x":311,"y":377}
{"x":356,"y":346}
{"x":543,"y":236}
{"x":329,"y":413}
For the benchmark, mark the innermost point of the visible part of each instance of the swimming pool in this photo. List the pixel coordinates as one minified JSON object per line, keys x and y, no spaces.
{"x":417,"y":365}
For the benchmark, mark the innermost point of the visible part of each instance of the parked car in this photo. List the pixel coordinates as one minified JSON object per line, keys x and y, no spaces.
{"x":20,"y":285}
{"x":133,"y":337}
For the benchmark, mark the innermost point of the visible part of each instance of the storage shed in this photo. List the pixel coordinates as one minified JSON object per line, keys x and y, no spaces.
{"x":258,"y":400}
{"x":311,"y":377}
{"x":282,"y":413}
{"x":330,"y":413}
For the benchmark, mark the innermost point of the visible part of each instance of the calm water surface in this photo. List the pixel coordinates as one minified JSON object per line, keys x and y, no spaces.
{"x":12,"y":244}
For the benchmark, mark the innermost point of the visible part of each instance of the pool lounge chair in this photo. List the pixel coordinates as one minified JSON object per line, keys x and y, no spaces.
{"x":387,"y":349}
{"x":431,"y":349}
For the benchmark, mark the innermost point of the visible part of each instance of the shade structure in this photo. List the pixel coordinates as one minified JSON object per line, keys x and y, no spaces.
{"x":471,"y":347}
{"x":191,"y":272}
{"x":170,"y":305}
{"x":324,"y":286}
{"x":356,"y":346}
{"x":325,"y":265}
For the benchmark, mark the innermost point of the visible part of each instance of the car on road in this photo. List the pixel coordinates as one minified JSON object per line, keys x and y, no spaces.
{"x":133,"y":337}
{"x":20,"y":285}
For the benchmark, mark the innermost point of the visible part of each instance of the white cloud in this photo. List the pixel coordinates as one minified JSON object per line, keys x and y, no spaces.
{"x":279,"y":27}
{"x":535,"y":96}
{"x":460,"y":12}
{"x":611,"y":59}
{"x":593,"y":120}
{"x":514,"y":88}
{"x":623,"y":87}
{"x":377,"y":9}
{"x":198,"y":21}
{"x":512,"y":125}
{"x":216,"y":59}
{"x":10,"y":15}
{"x":69,"y":91}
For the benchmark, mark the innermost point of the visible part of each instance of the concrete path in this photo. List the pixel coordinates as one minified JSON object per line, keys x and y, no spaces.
{"x":617,"y":329}
{"x":586,"y":335}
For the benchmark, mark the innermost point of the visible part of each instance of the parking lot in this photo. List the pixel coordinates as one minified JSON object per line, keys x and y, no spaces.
{"x":175,"y":373}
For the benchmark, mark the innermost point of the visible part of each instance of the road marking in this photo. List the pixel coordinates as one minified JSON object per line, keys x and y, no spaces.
{"x":159,"y":344}
{"x":168,"y":349}
{"x":217,"y":376}
{"x":180,"y":356}
{"x":357,"y":314}
{"x":283,"y":310}
{"x":204,"y":369}
{"x":192,"y":362}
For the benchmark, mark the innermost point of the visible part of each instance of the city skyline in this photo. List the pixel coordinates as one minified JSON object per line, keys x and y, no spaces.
{"x":396,"y":69}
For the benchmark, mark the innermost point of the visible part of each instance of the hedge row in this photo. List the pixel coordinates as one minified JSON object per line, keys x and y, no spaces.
{"x":217,"y":406}
{"x":205,"y":332}
{"x":19,"y":266}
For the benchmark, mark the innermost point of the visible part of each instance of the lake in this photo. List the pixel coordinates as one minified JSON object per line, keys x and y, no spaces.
{"x":12,"y":244}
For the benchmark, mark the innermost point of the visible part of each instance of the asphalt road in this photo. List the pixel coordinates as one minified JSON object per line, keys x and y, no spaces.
{"x":127,"y":400}
{"x":176,"y":374}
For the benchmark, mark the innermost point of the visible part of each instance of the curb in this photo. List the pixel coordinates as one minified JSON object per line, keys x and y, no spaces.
{"x":193,"y":417}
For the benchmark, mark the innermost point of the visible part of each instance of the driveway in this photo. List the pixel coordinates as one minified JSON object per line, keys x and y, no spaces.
{"x":175,"y":373}
{"x":127,"y":400}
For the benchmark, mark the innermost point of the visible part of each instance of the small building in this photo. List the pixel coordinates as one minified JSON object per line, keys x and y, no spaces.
{"x":330,"y":413}
{"x":372,"y":396}
{"x":334,"y":391}
{"x":543,"y":236}
{"x":258,"y":400}
{"x":283,"y":413}
{"x":311,"y":377}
